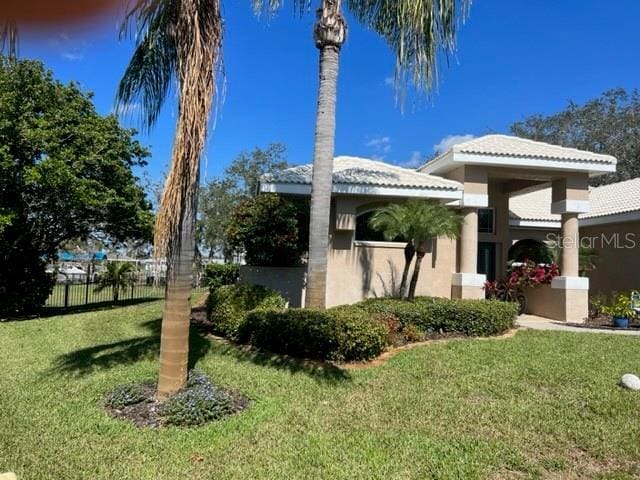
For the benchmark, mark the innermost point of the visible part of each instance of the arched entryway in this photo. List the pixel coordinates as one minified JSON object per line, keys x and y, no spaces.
{"x":529,"y":249}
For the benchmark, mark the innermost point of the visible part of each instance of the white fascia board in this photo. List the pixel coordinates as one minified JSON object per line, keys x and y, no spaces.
{"x":367,"y":190}
{"x":570,"y":206}
{"x":544,"y":224}
{"x":608,"y":219}
{"x":530,"y":162}
{"x":441,"y":164}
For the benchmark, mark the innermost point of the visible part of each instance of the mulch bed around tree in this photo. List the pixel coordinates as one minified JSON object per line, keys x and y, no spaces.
{"x":146,"y":413}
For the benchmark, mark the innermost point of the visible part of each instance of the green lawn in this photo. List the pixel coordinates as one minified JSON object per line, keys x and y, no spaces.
{"x":539,"y":405}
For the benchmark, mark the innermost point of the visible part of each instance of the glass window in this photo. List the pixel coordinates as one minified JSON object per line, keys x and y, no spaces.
{"x":486,"y":221}
{"x":367,"y":234}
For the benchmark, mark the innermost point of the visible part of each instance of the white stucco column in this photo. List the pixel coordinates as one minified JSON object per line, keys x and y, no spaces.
{"x":467,"y":283}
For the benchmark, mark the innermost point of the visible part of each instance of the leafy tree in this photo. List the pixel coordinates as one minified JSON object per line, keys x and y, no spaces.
{"x":65,"y":173}
{"x":416,"y":32}
{"x":175,"y":40}
{"x":608,"y":124}
{"x":270,"y":230}
{"x":423,"y":221}
{"x":118,"y":276}
{"x":247,"y":168}
{"x":219,"y":197}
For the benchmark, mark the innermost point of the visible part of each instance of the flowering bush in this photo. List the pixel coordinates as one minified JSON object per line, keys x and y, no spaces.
{"x":199,"y":403}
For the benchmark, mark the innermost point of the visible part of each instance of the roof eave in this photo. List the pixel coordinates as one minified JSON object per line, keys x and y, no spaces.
{"x":365,"y":190}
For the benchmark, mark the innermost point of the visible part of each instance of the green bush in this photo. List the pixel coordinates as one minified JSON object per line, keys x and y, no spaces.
{"x":228,"y":305}
{"x":464,"y":317}
{"x":344,"y":333}
{"x":216,"y":275}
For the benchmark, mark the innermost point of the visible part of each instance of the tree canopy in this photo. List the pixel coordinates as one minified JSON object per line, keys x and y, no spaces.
{"x":220,"y":196}
{"x":65,"y":173}
{"x":608,"y":124}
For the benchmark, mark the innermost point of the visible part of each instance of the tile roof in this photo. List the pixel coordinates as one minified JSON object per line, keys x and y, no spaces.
{"x":510,"y":146}
{"x":606,"y":200}
{"x":361,"y":171}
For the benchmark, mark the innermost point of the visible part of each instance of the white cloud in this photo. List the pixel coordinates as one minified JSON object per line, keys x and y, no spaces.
{"x":416,"y":160}
{"x":449,"y":141}
{"x":71,"y":49}
{"x":380,"y":145}
{"x":73,"y":56}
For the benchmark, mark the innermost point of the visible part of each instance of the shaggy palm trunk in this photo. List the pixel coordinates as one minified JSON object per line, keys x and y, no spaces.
{"x":409,"y":253}
{"x":329,"y":35}
{"x":197,"y":30}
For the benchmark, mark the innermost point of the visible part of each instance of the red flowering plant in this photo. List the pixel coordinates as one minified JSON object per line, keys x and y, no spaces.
{"x":519,"y":275}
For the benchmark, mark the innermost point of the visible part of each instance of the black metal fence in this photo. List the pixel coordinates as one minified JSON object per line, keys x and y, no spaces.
{"x":77,"y":290}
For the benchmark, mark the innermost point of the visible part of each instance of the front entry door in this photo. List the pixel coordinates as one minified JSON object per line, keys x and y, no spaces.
{"x":487,"y":259}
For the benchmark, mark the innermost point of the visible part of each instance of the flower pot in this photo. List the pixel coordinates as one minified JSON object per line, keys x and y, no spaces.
{"x":621,"y":322}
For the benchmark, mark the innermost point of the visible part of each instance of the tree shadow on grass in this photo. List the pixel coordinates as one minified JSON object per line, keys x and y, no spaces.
{"x":319,"y":371}
{"x":101,"y":357}
{"x":94,"y":307}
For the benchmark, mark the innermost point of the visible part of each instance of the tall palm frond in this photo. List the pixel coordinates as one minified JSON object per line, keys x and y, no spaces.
{"x":148,"y":76}
{"x":181,"y":40}
{"x":418,"y":32}
{"x":9,"y":38}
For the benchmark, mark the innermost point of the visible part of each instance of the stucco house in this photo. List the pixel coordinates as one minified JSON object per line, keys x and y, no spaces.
{"x":507,"y":189}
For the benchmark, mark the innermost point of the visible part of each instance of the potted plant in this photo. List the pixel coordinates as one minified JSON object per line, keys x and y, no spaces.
{"x":621,"y":311}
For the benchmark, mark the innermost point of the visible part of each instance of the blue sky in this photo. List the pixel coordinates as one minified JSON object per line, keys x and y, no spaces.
{"x":514,"y":58}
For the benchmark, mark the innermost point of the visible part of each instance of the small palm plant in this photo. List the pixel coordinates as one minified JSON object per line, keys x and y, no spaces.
{"x":391,"y":221}
{"x":423,"y":221}
{"x":118,"y":276}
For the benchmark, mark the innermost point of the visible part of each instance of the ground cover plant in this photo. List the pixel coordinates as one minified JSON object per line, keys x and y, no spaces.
{"x":538,"y":405}
{"x":199,"y":402}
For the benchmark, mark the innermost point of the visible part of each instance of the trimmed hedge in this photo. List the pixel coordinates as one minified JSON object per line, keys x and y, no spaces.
{"x":257,"y":316}
{"x":216,"y":275}
{"x":228,"y":305}
{"x":343,"y":333}
{"x":464,"y":317}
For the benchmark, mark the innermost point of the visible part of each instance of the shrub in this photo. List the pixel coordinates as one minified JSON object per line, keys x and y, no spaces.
{"x":124,"y":395}
{"x":199,"y":403}
{"x":465,"y":317}
{"x":228,"y":305}
{"x":344,"y":333}
{"x":216,"y":275}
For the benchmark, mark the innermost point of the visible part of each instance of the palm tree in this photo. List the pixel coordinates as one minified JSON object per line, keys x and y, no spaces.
{"x":423,"y":221}
{"x":416,"y":31}
{"x":118,"y":276}
{"x":391,"y":221}
{"x":181,"y":40}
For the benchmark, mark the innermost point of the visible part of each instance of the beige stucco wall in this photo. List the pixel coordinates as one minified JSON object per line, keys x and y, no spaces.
{"x":358,"y":270}
{"x":557,"y":304}
{"x":290,"y":282}
{"x":617,"y":264}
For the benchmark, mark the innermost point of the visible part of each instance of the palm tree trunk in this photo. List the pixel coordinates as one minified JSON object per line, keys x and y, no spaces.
{"x":329,"y":34}
{"x":416,"y":273}
{"x":409,"y":253}
{"x":197,"y":32}
{"x":174,"y":337}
